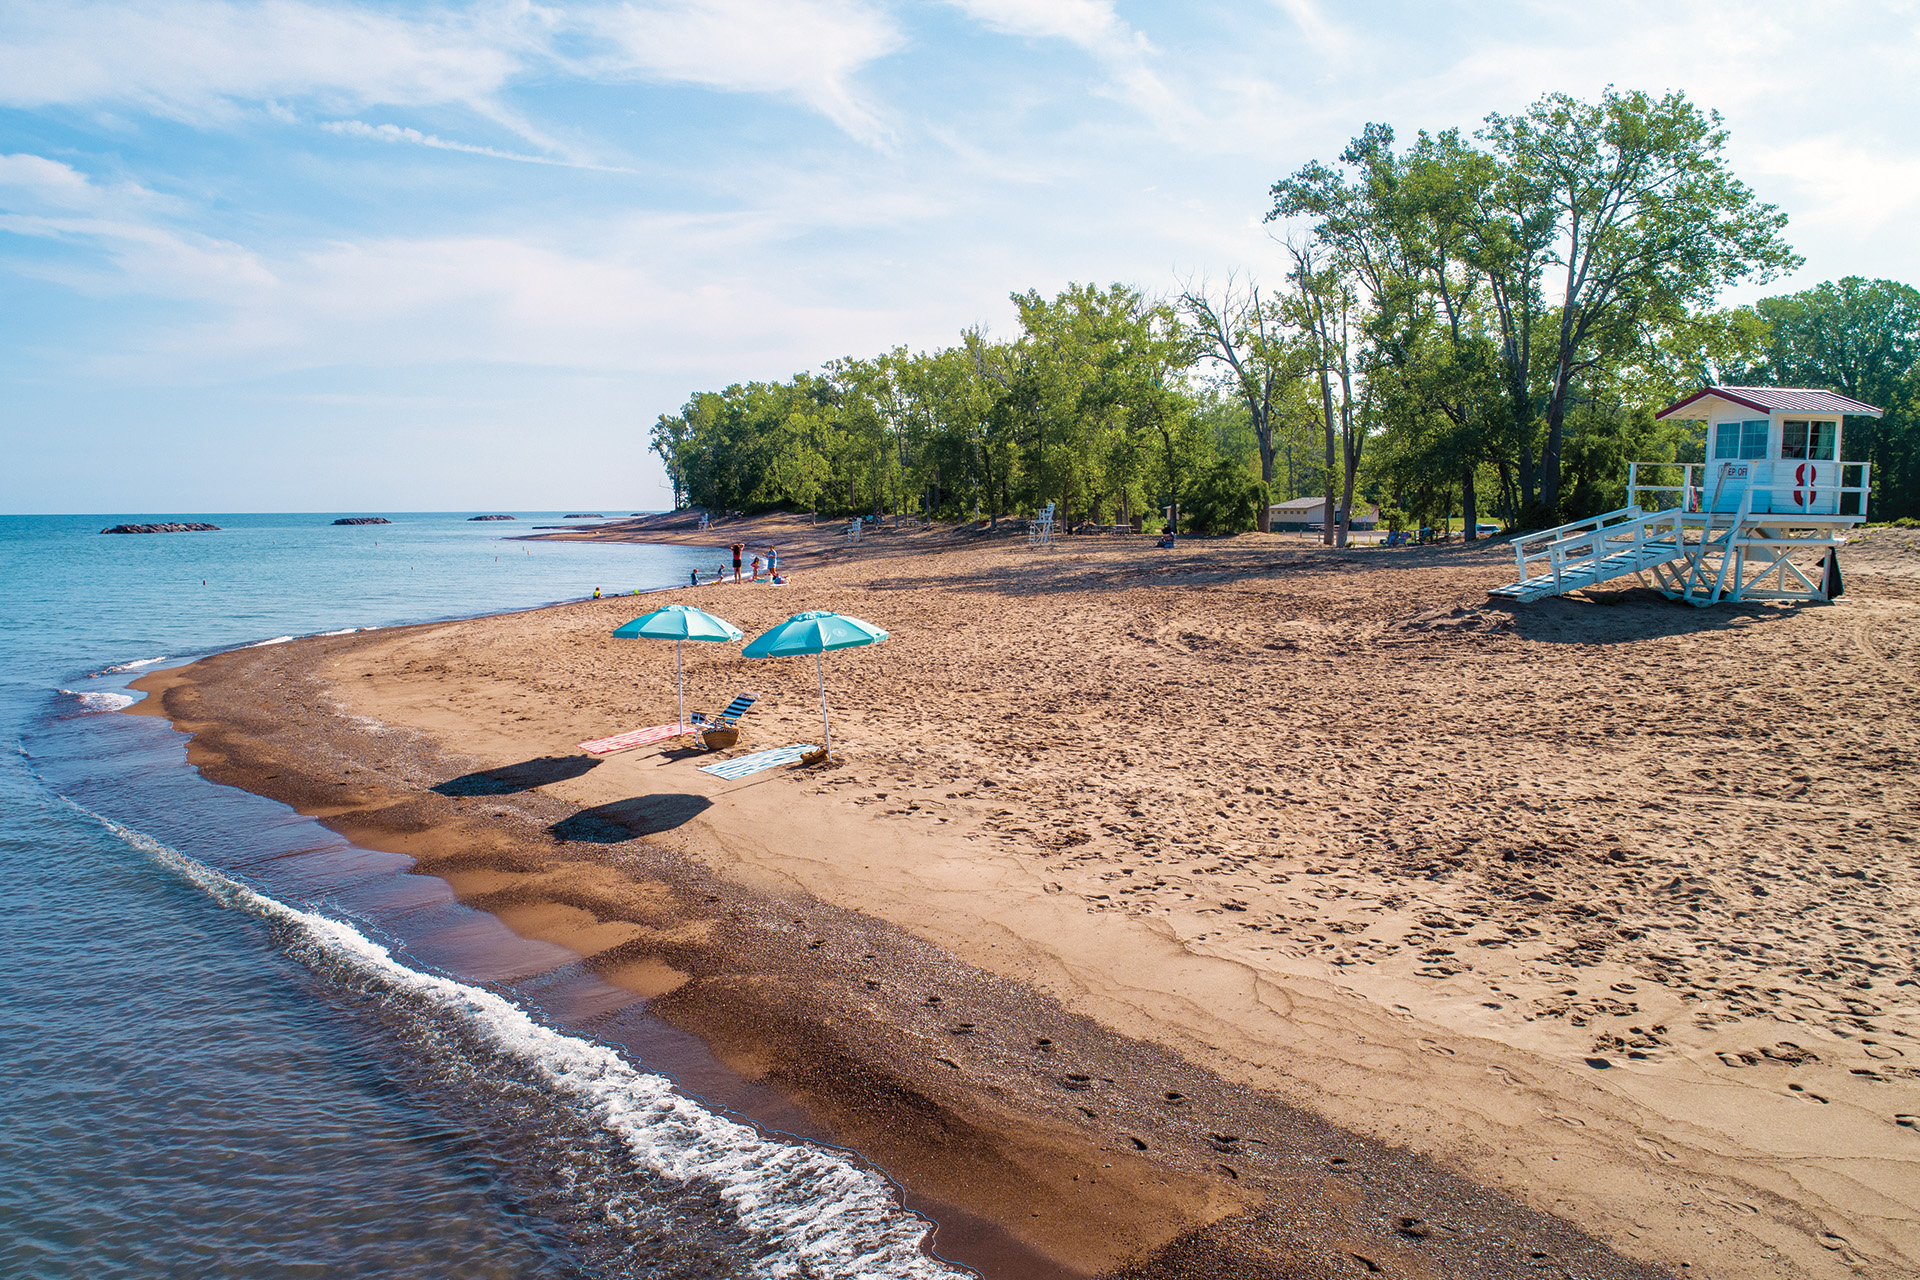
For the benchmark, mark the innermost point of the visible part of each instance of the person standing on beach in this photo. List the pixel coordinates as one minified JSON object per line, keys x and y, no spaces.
{"x":756,"y":568}
{"x":773,"y":560}
{"x":738,"y":548}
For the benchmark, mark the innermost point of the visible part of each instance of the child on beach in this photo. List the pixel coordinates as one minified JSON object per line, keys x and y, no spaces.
{"x":738,"y":548}
{"x":756,"y":568}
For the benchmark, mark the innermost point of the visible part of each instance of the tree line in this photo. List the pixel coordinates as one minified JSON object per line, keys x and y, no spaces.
{"x":1482,"y":325}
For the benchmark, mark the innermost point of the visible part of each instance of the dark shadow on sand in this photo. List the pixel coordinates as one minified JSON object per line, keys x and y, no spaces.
{"x":1624,"y":615}
{"x":625,"y":820}
{"x":511,"y":778}
{"x":1195,"y":562}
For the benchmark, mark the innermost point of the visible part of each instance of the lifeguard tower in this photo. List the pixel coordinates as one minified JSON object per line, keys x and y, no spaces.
{"x":1761,"y":519}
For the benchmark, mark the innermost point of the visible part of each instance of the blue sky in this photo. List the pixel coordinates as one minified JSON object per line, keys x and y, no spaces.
{"x":322,"y":256}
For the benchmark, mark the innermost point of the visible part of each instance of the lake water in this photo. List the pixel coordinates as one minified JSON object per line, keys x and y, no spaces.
{"x":235,"y":1045}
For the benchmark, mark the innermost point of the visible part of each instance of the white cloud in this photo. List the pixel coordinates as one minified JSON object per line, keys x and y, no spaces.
{"x":45,"y":181}
{"x":1094,"y":27}
{"x":414,"y":137}
{"x":204,"y":60}
{"x":194,"y":59}
{"x":123,"y":225}
{"x":807,"y":50}
{"x":1091,"y":24}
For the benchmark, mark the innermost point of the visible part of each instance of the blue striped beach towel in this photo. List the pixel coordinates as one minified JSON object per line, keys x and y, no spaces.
{"x":741,"y":766}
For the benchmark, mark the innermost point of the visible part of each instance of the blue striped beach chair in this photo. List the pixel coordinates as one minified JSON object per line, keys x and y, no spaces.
{"x":729,"y":717}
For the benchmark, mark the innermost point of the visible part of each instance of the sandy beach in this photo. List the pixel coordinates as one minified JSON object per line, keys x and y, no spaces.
{"x":1244,"y":909}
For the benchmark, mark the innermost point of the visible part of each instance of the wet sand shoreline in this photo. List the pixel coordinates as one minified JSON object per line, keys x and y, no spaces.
{"x":1020,"y":918}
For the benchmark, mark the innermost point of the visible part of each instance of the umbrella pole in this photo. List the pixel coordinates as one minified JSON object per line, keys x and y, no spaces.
{"x":819,"y":665}
{"x":680,"y":683}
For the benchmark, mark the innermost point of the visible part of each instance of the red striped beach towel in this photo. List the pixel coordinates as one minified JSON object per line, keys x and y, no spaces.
{"x":637,"y":738}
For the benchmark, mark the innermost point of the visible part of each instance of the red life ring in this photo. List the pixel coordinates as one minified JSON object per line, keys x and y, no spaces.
{"x":1805,"y":474}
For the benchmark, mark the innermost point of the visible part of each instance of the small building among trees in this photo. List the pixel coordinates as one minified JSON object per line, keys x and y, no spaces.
{"x":1306,"y":515}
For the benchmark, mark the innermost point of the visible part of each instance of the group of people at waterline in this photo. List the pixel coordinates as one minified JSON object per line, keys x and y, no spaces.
{"x":771,"y":562}
{"x":771,"y":569}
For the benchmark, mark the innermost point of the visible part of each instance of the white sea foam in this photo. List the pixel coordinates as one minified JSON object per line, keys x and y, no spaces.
{"x":264,"y":643}
{"x":133,"y":666}
{"x":817,"y":1213}
{"x":344,"y":631}
{"x":102,"y":701}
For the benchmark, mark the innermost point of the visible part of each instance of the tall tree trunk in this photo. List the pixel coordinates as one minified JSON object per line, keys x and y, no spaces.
{"x":1326,"y":405}
{"x":1550,"y":452}
{"x":1469,"y":505}
{"x":1266,"y":478}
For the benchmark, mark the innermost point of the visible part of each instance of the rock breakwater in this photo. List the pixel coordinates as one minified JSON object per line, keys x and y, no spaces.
{"x":163,"y":528}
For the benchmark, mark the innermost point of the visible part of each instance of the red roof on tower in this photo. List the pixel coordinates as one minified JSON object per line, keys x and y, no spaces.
{"x":1772,"y":400}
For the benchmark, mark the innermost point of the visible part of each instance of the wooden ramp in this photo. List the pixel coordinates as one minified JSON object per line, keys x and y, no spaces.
{"x":1590,"y":552}
{"x":1700,"y":557}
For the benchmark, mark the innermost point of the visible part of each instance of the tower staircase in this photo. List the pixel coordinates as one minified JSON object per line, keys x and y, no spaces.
{"x":1701,"y":555}
{"x":1589,"y":552}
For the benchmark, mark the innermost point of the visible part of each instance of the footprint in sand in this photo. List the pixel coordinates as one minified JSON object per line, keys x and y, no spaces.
{"x":1076,"y":1081}
{"x":1043,"y":1044}
{"x":1138,"y":1145}
{"x":1659,"y":1151}
{"x":1440,"y":1049}
{"x":1174,"y":1099}
{"x":1907,"y":1122}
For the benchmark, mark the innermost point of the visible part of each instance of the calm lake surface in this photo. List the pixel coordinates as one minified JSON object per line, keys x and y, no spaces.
{"x":235,"y":1045}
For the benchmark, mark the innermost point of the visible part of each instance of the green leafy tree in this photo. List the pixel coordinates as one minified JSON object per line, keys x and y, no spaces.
{"x":1861,"y":338}
{"x":1228,"y":500}
{"x":1649,"y":224}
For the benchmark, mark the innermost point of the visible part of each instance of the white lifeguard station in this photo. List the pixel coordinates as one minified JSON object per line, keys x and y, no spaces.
{"x":1773,"y":488}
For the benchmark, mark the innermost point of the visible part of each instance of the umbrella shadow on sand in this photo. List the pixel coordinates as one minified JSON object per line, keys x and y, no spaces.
{"x":625,"y":820}
{"x":511,"y":778}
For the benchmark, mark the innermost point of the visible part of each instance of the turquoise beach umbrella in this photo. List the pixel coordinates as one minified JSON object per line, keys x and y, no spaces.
{"x":815,"y":633}
{"x":679,"y":623}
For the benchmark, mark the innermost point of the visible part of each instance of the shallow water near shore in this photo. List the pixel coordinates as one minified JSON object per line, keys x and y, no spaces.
{"x":237,"y":1045}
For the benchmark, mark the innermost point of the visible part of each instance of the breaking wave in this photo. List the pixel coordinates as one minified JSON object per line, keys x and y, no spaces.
{"x":100,"y":701}
{"x":808,"y":1211}
{"x":125,"y":667}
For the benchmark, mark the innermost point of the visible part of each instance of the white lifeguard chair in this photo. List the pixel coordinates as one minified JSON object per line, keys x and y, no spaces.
{"x":1773,"y":488}
{"x":1040,"y":532}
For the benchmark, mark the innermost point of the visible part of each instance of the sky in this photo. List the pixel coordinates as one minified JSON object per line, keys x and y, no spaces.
{"x":310,"y":256}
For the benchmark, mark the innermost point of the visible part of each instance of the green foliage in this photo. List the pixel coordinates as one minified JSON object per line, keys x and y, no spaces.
{"x":1092,"y":408}
{"x":1476,"y":325}
{"x":1571,"y":260}
{"x":1860,"y":338}
{"x":1228,"y":499}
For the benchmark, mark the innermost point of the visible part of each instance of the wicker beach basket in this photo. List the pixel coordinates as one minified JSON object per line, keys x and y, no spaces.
{"x":720,"y":739}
